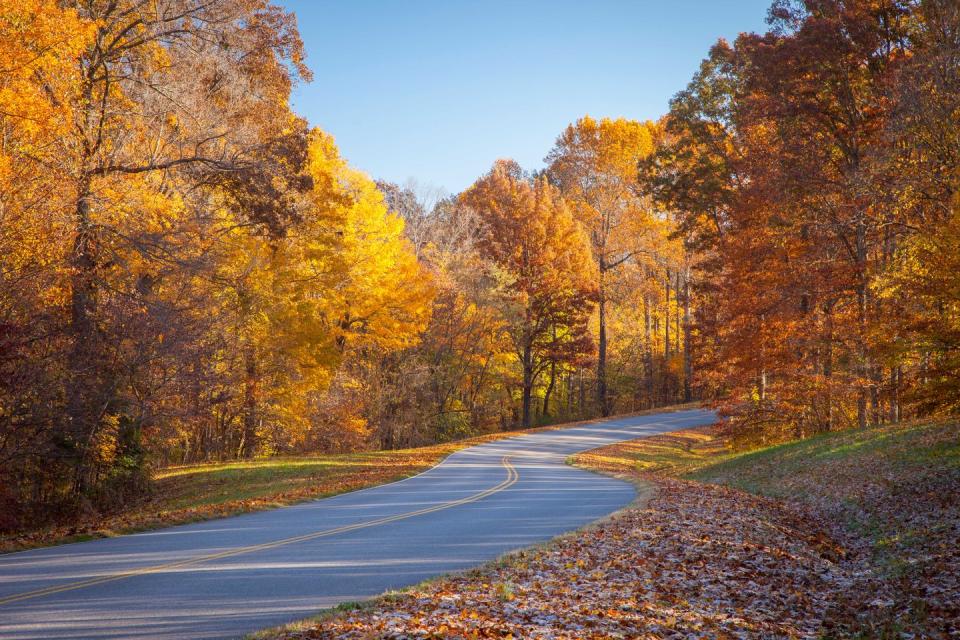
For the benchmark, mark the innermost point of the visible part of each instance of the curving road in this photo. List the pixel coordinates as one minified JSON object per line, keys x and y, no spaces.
{"x":225,"y":578}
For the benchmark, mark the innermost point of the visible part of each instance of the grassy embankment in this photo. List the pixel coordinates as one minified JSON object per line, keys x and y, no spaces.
{"x":853,"y":534}
{"x":203,"y":491}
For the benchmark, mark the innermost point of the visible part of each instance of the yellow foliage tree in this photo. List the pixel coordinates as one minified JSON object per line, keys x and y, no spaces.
{"x":595,"y":164}
{"x":342,"y":281}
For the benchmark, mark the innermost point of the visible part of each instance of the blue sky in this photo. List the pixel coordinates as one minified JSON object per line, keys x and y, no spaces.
{"x":437,"y":90}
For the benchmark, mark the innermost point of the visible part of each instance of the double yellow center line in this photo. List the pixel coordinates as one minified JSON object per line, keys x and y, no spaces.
{"x":512,"y":477}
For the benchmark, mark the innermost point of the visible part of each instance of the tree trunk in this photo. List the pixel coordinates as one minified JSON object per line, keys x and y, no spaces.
{"x":863,"y":357}
{"x":648,"y":354}
{"x":546,"y":395}
{"x":895,"y":376}
{"x":875,"y":382}
{"x":248,"y":444}
{"x":82,"y":360}
{"x":862,"y":408}
{"x":676,"y":291}
{"x":583,"y":396}
{"x":527,"y":391}
{"x":666,"y":317}
{"x":602,"y":401}
{"x":828,"y":369}
{"x":687,"y":353}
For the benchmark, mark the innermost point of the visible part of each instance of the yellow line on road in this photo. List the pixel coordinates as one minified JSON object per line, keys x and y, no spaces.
{"x":512,"y":477}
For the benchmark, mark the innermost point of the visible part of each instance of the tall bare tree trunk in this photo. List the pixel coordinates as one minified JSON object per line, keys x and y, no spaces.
{"x":687,"y":352}
{"x":677,"y":290}
{"x":527,"y":390}
{"x":863,"y":367}
{"x":583,"y":395}
{"x":549,"y":391}
{"x":248,"y":444}
{"x":666,"y":317}
{"x":895,"y":377}
{"x":648,"y":353}
{"x":828,"y":368}
{"x":602,"y":400}
{"x":82,"y":360}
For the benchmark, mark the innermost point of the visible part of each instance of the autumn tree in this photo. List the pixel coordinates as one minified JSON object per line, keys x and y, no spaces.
{"x":39,"y":43}
{"x":160,"y":95}
{"x":465,"y":350}
{"x":594,"y":164}
{"x":193,"y":264}
{"x":928,"y":275}
{"x":794,"y":159}
{"x":366,"y":294}
{"x":545,"y":270}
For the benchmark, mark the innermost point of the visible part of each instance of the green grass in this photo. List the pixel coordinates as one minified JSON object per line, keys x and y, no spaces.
{"x":869,"y":479}
{"x":199,"y":485}
{"x":831,"y":465}
{"x":894,"y":486}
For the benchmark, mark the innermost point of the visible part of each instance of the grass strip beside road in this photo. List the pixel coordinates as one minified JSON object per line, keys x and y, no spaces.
{"x":202,"y":492}
{"x":889,"y":495}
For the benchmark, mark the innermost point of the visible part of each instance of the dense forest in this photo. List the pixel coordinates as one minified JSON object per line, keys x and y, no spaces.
{"x":189,"y":272}
{"x":814,"y":171}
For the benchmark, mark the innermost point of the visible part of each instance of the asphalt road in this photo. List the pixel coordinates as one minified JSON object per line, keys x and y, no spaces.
{"x":226,"y":578}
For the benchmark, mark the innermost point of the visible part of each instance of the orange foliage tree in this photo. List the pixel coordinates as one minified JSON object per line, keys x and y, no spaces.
{"x":545,"y":270}
{"x":800,"y":163}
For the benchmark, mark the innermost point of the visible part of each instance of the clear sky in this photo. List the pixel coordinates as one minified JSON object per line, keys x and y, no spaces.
{"x":436,"y":90}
